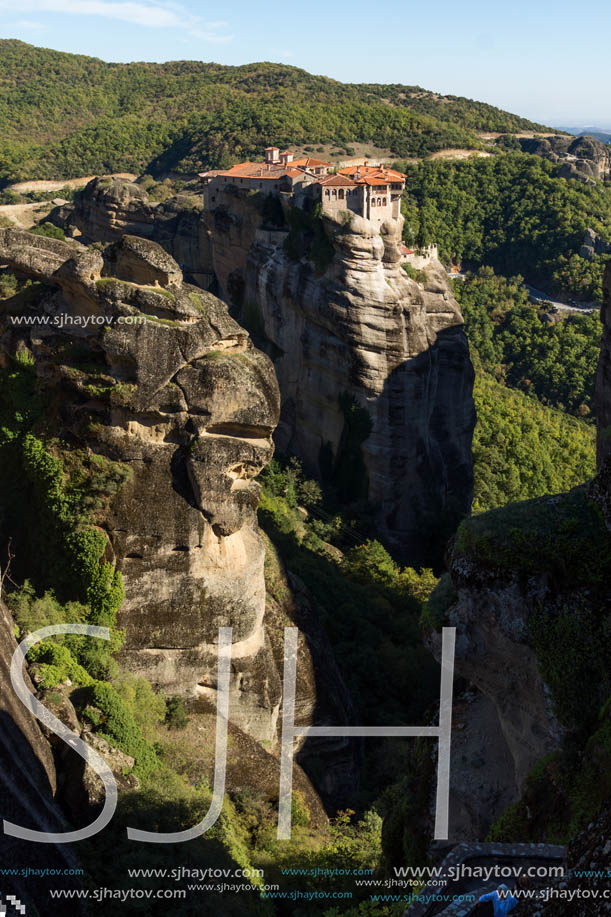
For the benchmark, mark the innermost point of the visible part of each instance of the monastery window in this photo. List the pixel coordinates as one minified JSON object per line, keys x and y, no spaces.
{"x":327,"y":192}
{"x":373,"y":201}
{"x":384,"y":202}
{"x":341,"y":194}
{"x":334,"y":192}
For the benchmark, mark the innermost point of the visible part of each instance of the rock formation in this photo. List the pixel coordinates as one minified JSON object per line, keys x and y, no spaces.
{"x":358,"y":325}
{"x":580,"y":892}
{"x":525,"y":578}
{"x":27,"y":788}
{"x":107,"y":209}
{"x":145,"y":370}
{"x":593,"y":244}
{"x":583,"y":158}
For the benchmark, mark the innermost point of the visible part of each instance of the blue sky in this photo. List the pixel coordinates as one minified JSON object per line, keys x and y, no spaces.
{"x":549,"y":60}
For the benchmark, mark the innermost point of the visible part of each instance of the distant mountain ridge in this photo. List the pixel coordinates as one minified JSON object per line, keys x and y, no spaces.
{"x":63,"y":114}
{"x":600,"y":133}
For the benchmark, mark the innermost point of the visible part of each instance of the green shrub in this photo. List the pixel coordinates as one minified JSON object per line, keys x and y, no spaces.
{"x":50,"y":231}
{"x":31,"y":612}
{"x":119,"y":727}
{"x":8,"y":285}
{"x":300,"y":814}
{"x":58,"y":664}
{"x":439,"y":601}
{"x":176,"y":713}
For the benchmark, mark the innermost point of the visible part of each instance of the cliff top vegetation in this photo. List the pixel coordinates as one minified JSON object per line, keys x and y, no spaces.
{"x":64,"y":115}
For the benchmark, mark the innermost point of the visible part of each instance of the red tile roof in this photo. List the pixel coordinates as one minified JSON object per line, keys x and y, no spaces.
{"x":373,"y":175}
{"x":308,"y":163}
{"x":273,"y":171}
{"x":264,"y":170}
{"x":337,"y":180}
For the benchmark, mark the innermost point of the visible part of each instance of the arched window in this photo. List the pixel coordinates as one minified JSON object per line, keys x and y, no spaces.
{"x":373,"y":201}
{"x":341,"y":194}
{"x":384,"y":202}
{"x":327,"y":192}
{"x":334,"y":192}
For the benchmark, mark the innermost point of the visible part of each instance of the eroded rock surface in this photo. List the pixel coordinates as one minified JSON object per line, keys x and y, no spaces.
{"x":107,"y":209}
{"x":357,"y":326}
{"x":362,"y":327}
{"x":491,"y":614}
{"x":583,"y":158}
{"x":156,"y":375}
{"x":27,"y":787}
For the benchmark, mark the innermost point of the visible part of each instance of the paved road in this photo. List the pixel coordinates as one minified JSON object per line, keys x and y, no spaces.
{"x":540,"y":296}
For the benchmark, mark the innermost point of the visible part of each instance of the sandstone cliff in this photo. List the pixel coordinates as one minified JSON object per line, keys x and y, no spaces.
{"x":584,"y":158}
{"x":528,"y":592}
{"x":108,"y":208}
{"x":146,"y":371}
{"x":340,"y":317}
{"x":355,"y":325}
{"x":27,"y":788}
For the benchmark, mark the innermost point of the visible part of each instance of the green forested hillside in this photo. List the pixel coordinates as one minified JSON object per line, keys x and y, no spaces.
{"x":524,"y":443}
{"x":63,"y":115}
{"x":516,"y":343}
{"x":523,"y":449}
{"x":513,"y":212}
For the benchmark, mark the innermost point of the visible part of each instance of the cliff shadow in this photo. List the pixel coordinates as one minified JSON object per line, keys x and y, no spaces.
{"x":26,"y":799}
{"x":427,"y":417}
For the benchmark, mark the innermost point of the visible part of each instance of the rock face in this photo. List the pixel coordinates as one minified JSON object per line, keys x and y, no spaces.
{"x":583,"y":158}
{"x":513,"y":713}
{"x":360,"y":327}
{"x":165,"y":382}
{"x":108,"y":208}
{"x":520,"y":577}
{"x":80,"y":790}
{"x":594,"y":244}
{"x":581,"y":892}
{"x":27,"y":787}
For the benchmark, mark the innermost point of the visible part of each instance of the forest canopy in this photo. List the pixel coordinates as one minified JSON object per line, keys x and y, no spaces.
{"x":513,"y":212}
{"x":518,"y":344}
{"x":63,"y":115}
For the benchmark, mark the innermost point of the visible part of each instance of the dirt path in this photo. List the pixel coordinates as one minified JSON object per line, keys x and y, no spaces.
{"x":527,"y":135}
{"x":24,"y":186}
{"x":458,"y":154}
{"x":24,"y":216}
